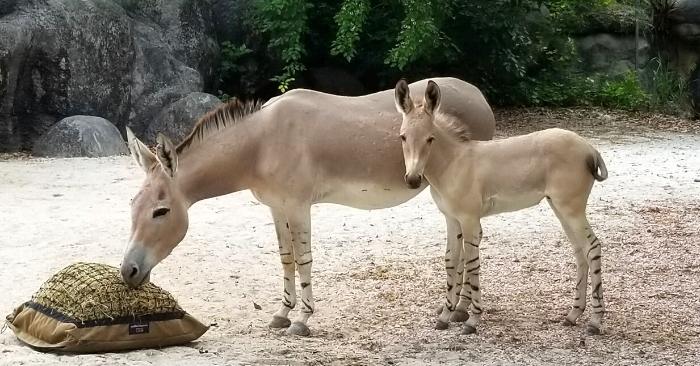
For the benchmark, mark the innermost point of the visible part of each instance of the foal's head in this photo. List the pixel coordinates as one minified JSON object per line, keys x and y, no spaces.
{"x":417,"y":129}
{"x":158,"y":211}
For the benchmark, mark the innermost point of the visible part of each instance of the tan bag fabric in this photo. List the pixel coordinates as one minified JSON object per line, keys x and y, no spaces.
{"x":87,"y":308}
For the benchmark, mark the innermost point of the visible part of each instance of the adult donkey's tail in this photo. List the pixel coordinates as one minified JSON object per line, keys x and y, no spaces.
{"x":597,"y":166}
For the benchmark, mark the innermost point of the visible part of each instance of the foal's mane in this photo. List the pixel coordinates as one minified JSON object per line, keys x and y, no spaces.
{"x":453,"y":127}
{"x":227,"y":114}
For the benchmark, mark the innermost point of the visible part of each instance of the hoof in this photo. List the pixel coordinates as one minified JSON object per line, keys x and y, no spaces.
{"x":440,"y":325}
{"x":279,"y":322}
{"x":299,"y":329}
{"x":438,"y":310}
{"x":459,"y":316}
{"x":592,"y":330}
{"x":568,"y":323}
{"x":468,"y":329}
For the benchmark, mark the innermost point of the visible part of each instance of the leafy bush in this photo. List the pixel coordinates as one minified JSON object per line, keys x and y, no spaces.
{"x":625,"y":92}
{"x":286,"y":23}
{"x":668,"y":90}
{"x":519,"y":52}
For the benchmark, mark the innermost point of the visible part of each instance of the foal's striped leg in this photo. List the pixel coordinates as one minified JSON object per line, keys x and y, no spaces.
{"x":587,"y":250}
{"x":461,"y":313}
{"x":289,"y":298}
{"x":593,"y":255}
{"x":453,"y":268}
{"x":472,"y":269}
{"x":300,"y":229}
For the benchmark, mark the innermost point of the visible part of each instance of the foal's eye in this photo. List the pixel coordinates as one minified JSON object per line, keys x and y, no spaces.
{"x":160,"y":212}
{"x":403,"y":137}
{"x":430,"y":139}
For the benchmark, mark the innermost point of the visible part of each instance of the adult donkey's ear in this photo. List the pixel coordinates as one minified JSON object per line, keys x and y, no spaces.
{"x":139,"y":151}
{"x":166,"y":154}
{"x":402,"y":97}
{"x":432,"y":97}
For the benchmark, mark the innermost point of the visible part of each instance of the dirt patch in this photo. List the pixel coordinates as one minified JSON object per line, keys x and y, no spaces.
{"x":378,"y":275}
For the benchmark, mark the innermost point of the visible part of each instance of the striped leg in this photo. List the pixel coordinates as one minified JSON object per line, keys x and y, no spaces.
{"x":461,"y":313}
{"x":452,"y":267}
{"x":588,"y":255}
{"x":472,"y":269}
{"x":289,"y":298}
{"x":300,"y":229}
{"x":594,"y":257}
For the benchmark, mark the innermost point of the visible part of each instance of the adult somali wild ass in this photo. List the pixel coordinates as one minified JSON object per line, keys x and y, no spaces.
{"x":472,"y":179}
{"x":301,"y":148}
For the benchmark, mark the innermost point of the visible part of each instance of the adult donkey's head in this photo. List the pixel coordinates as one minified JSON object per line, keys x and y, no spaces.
{"x":158,"y":211}
{"x":417,"y":129}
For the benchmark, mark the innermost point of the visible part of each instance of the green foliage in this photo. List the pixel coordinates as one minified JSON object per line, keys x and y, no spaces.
{"x":286,"y":23}
{"x":350,"y":20}
{"x":668,"y":90}
{"x":625,"y":92}
{"x":419,"y":32}
{"x":519,"y":52}
{"x":230,"y":57}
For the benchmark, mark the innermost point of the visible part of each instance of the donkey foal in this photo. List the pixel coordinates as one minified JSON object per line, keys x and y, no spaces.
{"x":472,"y":179}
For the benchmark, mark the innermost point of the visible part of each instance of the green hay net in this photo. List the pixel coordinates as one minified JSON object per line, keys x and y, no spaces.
{"x":87,"y":292}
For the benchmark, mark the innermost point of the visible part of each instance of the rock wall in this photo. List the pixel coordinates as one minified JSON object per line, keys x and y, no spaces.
{"x":123,"y":60}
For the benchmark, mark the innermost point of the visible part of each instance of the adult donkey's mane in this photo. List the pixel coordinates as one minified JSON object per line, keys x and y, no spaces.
{"x":227,"y":114}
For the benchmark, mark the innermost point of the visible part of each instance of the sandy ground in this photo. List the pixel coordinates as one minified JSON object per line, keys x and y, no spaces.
{"x":378,"y":274}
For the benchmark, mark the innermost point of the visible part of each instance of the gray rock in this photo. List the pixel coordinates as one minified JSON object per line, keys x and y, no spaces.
{"x":186,"y":26}
{"x":177,"y":119}
{"x":84,"y":136}
{"x":124,"y":60}
{"x":610,"y":53}
{"x":685,"y":11}
{"x":7,"y":6}
{"x":689,"y":32}
{"x":157,"y":77}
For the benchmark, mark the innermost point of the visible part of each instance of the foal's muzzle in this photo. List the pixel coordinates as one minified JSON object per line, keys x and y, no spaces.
{"x":413,"y":181}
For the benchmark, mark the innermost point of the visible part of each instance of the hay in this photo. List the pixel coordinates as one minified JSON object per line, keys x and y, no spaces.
{"x":88,"y":292}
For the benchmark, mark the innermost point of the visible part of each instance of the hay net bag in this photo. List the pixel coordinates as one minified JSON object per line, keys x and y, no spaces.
{"x":86,"y":307}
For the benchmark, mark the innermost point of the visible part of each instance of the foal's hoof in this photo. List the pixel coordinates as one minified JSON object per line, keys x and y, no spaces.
{"x":468,"y":329}
{"x":298,"y":328}
{"x":459,"y":316}
{"x":592,"y":329}
{"x":440,"y":325}
{"x":568,"y":322}
{"x":279,"y":322}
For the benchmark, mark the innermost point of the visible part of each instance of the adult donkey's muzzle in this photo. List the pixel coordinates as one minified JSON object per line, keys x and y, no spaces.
{"x":134,"y":269}
{"x":413,"y":181}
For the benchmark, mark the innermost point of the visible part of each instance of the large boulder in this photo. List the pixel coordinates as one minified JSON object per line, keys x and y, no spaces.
{"x":177,"y":119}
{"x":124,"y":60}
{"x":684,"y":20}
{"x":81,"y":136}
{"x":61,"y":58}
{"x":7,"y":6}
{"x":611,"y":54}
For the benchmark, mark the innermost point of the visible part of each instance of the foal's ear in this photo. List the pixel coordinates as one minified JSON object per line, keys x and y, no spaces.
{"x":142,"y":156}
{"x":432,"y":97}
{"x":402,"y":97}
{"x":166,"y":154}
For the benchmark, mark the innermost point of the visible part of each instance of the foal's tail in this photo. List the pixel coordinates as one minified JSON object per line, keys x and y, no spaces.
{"x":597,"y":166}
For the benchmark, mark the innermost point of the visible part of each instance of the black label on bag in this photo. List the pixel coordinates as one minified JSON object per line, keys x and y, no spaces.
{"x":138,"y":328}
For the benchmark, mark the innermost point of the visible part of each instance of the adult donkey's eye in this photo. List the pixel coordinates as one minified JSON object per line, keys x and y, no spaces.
{"x":430,"y":139}
{"x":160,"y":212}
